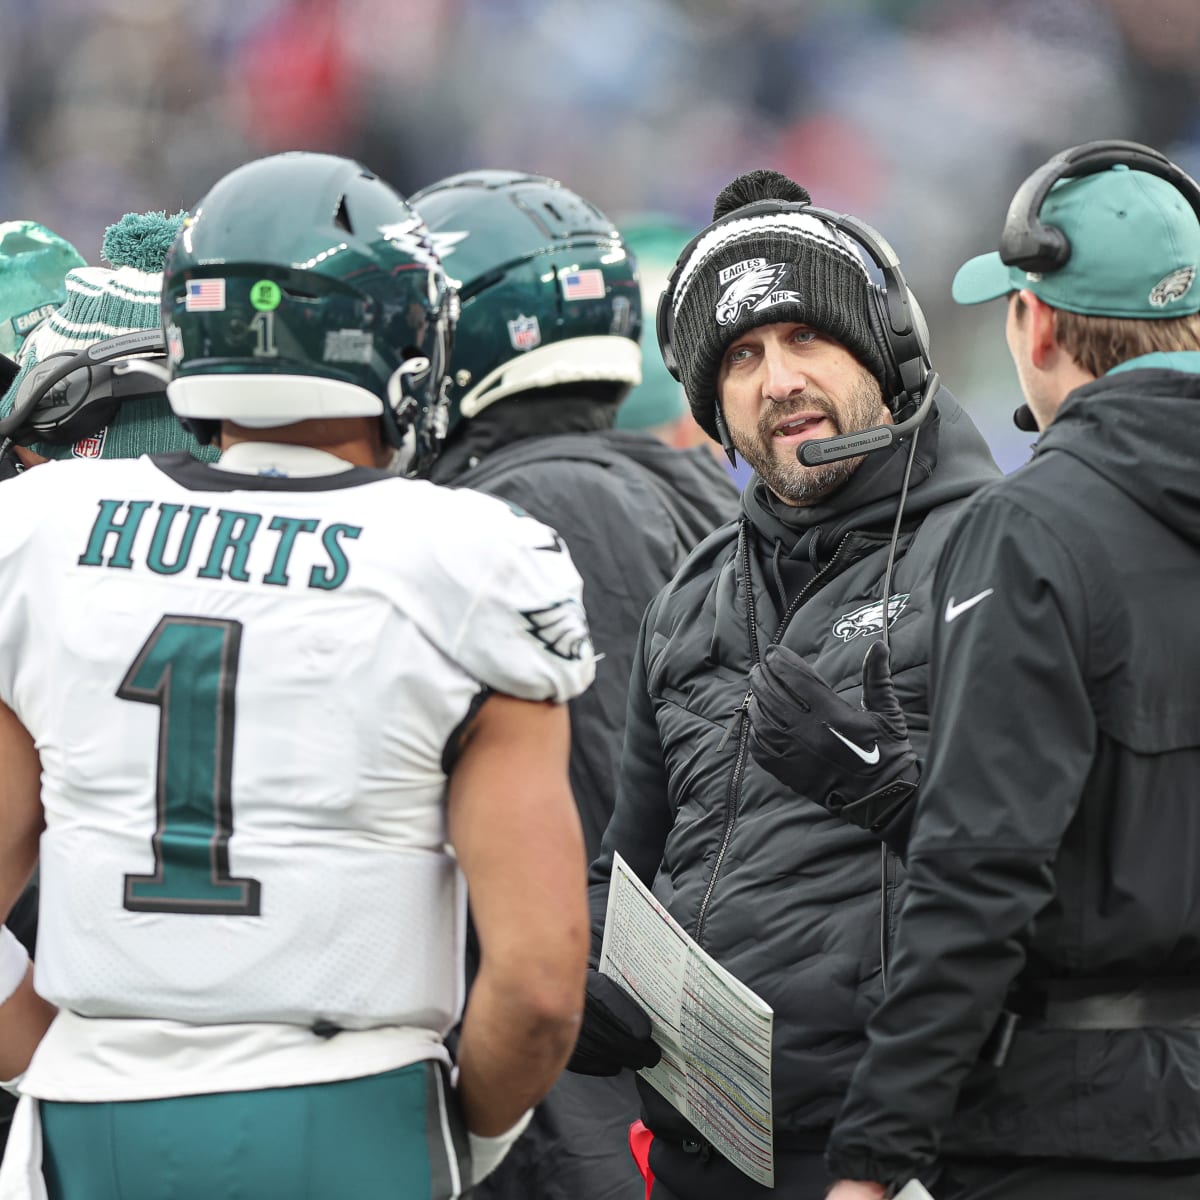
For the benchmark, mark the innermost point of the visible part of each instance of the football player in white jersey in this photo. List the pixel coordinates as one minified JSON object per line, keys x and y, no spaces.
{"x":260,"y":720}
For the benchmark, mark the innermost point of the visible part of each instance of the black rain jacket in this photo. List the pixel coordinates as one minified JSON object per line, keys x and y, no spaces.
{"x":1056,"y":834}
{"x":786,"y":897}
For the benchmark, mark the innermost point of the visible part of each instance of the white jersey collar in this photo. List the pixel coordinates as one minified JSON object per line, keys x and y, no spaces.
{"x":280,"y":459}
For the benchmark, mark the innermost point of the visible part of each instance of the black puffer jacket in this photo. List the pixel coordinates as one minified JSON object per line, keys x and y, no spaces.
{"x":783,"y":895}
{"x":1056,"y":837}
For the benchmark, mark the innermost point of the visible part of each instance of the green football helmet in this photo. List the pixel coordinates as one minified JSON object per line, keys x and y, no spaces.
{"x":549,"y":290}
{"x":301,"y":267}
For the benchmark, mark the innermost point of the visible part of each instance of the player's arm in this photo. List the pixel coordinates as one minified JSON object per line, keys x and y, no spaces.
{"x":514,"y":827}
{"x":1013,"y":742}
{"x":24,"y":1015}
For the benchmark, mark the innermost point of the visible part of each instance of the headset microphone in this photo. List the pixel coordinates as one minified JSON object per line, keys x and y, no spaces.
{"x":1024,"y":419}
{"x":866,"y":441}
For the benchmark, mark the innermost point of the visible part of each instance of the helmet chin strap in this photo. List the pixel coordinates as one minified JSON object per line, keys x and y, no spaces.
{"x":402,"y":455}
{"x":403,"y":406}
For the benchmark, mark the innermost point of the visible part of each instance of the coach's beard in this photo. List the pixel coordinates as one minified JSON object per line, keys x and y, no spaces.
{"x":779,"y":468}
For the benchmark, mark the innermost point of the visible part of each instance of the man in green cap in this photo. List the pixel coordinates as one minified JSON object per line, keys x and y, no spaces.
{"x":1041,"y":1030}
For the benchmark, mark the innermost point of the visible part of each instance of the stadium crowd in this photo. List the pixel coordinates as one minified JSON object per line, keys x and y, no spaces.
{"x":396,"y":555}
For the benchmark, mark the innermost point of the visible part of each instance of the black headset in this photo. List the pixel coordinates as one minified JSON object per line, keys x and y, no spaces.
{"x":893,"y":314}
{"x":69,"y":396}
{"x":1029,"y":244}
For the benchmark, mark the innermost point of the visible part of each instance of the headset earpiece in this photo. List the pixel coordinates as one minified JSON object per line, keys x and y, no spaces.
{"x":68,"y":396}
{"x":1029,"y":244}
{"x":664,"y":320}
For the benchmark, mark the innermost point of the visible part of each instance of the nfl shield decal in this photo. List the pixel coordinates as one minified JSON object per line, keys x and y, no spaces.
{"x":90,"y":447}
{"x":524,"y":333}
{"x":869,"y":618}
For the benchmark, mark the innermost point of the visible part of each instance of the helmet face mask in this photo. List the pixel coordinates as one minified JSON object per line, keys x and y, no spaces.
{"x":300,"y":287}
{"x":549,"y":290}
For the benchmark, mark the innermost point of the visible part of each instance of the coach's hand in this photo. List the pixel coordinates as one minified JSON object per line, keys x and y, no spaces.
{"x":615,"y":1032}
{"x":855,"y":762}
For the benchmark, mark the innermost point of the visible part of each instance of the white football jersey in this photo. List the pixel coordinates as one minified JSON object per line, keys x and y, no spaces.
{"x":246,"y":694}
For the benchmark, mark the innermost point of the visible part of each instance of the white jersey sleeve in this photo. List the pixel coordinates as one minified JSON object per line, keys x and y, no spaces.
{"x":507,"y":601}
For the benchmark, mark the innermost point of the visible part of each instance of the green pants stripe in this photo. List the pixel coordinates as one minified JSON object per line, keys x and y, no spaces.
{"x":394,"y":1136}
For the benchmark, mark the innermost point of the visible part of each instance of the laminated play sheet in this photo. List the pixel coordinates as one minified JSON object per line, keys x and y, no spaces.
{"x":715,"y":1033}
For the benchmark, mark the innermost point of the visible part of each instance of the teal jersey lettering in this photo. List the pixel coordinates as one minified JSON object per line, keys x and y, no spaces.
{"x":162,"y":531}
{"x":235,"y":534}
{"x":288,"y":528}
{"x":124,"y":531}
{"x":182,"y":538}
{"x":335,"y":574}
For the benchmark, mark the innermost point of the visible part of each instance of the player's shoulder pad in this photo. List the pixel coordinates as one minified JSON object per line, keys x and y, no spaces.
{"x":510,"y":598}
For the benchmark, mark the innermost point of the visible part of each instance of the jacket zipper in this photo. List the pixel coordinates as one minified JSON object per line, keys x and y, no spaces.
{"x":739,"y":714}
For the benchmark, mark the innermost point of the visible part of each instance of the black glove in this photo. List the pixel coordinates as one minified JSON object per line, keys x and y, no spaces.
{"x":615,"y":1032}
{"x":855,"y":762}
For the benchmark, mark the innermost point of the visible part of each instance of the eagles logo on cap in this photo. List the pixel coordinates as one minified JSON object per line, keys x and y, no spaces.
{"x":1172,"y":287}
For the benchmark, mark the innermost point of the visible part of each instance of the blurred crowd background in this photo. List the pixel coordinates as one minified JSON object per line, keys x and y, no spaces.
{"x":921,"y":116}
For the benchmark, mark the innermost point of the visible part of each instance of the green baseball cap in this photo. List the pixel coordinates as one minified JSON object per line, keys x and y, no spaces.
{"x":1135,"y":251}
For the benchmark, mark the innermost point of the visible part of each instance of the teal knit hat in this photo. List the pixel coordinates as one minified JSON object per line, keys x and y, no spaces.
{"x":101,"y":304}
{"x":34,"y":262}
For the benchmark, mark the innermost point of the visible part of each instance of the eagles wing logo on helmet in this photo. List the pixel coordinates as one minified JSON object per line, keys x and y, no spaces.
{"x":562,"y":628}
{"x":753,"y":286}
{"x":445,"y":240}
{"x":1172,"y":287}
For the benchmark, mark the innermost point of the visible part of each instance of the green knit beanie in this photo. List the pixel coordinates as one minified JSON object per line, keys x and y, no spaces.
{"x":101,"y":304}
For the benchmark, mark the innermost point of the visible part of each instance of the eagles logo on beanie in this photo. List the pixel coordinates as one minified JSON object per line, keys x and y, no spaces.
{"x":765,"y":268}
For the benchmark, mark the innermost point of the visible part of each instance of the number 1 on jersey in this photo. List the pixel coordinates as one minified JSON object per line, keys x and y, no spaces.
{"x":188,"y":669}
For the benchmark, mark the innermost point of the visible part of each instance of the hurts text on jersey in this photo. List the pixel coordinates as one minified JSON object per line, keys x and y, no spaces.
{"x":214,"y":544}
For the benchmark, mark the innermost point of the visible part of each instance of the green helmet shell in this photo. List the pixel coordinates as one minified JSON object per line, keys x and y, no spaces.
{"x":306,"y":266}
{"x":549,"y":290}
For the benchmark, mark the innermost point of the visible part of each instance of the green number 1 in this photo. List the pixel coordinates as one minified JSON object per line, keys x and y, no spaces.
{"x":188,"y":668}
